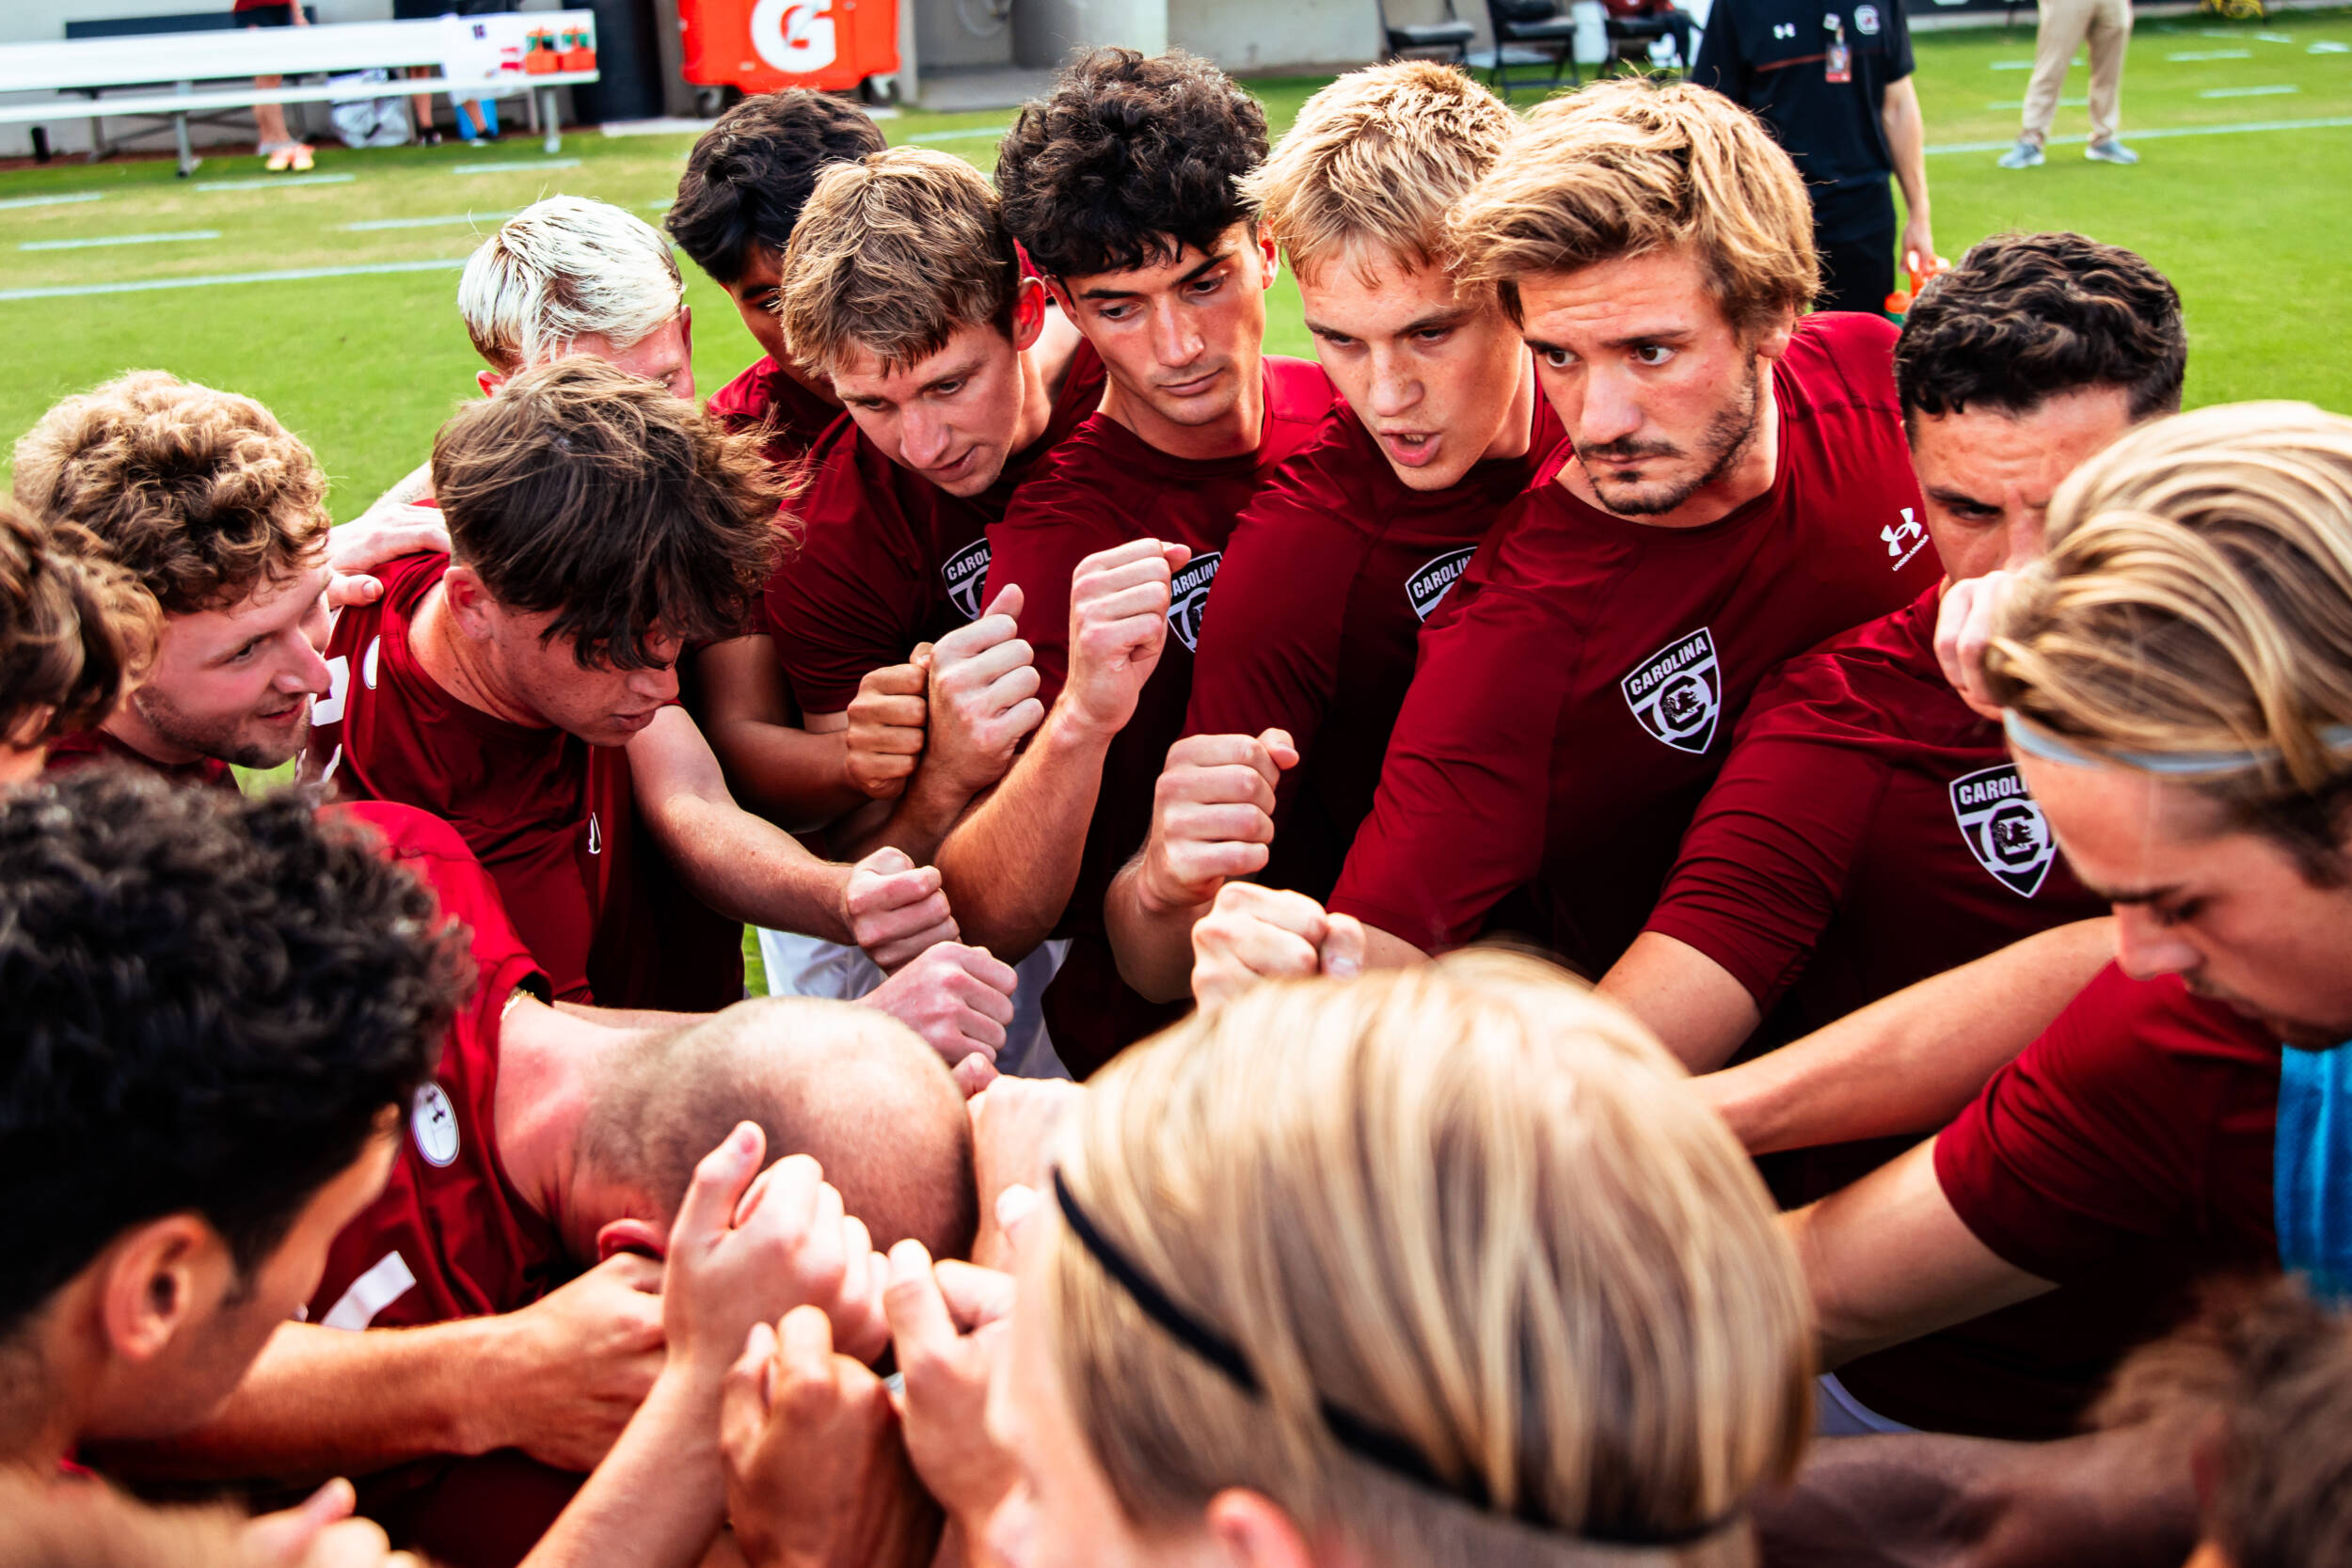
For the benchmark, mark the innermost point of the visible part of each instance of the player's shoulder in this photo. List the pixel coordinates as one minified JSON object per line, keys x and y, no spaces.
{"x":2127,"y":1032}
{"x":1879,"y":678}
{"x":406,"y":580}
{"x":1298,"y":390}
{"x":407,"y":833}
{"x":1843,"y":359}
{"x":746,"y":397}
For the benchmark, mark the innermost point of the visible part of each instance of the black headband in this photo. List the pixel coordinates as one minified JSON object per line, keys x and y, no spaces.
{"x":1358,"y":1437}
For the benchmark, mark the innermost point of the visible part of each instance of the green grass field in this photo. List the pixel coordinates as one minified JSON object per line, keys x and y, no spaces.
{"x":2253,"y":226}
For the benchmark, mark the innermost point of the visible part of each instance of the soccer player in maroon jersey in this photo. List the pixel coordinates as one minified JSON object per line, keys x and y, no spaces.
{"x":1737,"y":490}
{"x":1122,"y":186}
{"x":1868,"y":829}
{"x":2169,"y":676}
{"x":1333,"y":568}
{"x":523,"y":687}
{"x":219,"y":512}
{"x":520,"y":1239}
{"x":745,"y":183}
{"x":223,"y":1011}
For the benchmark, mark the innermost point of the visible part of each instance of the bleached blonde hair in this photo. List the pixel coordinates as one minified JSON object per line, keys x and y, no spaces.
{"x":560,"y":270}
{"x":1625,"y":168}
{"x":1474,"y":1205}
{"x":1378,"y":157}
{"x":2195,"y":601}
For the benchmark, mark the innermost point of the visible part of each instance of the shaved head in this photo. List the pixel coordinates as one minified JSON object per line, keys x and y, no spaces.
{"x":855,"y":1090}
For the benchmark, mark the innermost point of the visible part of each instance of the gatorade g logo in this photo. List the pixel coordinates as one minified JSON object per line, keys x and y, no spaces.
{"x":2005,"y":829}
{"x":1188,"y":597}
{"x":1677,"y":691}
{"x":794,"y":35}
{"x":1426,"y":587}
{"x":965,"y":573}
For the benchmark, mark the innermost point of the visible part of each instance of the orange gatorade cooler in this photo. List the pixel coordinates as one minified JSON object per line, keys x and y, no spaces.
{"x":760,"y":45}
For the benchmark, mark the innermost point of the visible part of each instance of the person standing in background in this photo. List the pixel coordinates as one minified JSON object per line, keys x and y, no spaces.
{"x":272,"y":140}
{"x":2103,"y":27}
{"x":1834,"y":82}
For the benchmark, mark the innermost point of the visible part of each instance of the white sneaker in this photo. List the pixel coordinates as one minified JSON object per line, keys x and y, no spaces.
{"x":2110,"y":151}
{"x":2026,"y":154}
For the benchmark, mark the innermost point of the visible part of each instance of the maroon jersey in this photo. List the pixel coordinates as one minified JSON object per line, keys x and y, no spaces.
{"x":550,"y":816}
{"x":1101,"y":488}
{"x":85,"y":747}
{"x":887,"y":559}
{"x":768,"y":398}
{"x":2125,"y":1154}
{"x":1867,"y":831}
{"x":450,"y":1237}
{"x":1566,"y":720}
{"x":1329,"y":576}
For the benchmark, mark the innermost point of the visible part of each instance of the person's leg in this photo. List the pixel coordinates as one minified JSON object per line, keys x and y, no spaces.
{"x":2063,"y":24}
{"x":2109,"y":32}
{"x":1854,"y":231}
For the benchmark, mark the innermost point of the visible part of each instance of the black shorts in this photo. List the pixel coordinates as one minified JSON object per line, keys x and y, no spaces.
{"x":266,"y":16}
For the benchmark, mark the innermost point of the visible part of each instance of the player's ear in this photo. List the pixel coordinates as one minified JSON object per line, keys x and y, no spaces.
{"x":1028,"y":313}
{"x":489,"y":381}
{"x":152,"y":1282}
{"x":1060,"y":295}
{"x":470,"y":603}
{"x":1270,"y":254}
{"x":643,"y":1237}
{"x":685,"y":330}
{"x":1773,"y":342}
{"x":1252,"y":1532}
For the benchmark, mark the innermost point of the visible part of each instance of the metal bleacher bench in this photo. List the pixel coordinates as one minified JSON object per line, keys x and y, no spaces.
{"x":163,"y":71}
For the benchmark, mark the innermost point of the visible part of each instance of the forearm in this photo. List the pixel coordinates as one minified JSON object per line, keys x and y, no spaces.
{"x":1151,"y":941}
{"x":751,"y":870}
{"x":1910,"y":1062}
{"x":1011,"y":866}
{"x":1907,"y":140}
{"x":628,"y":1020}
{"x":795,"y":778}
{"x":407,"y":490}
{"x":324,"y":1401}
{"x":917,"y":822}
{"x":660,"y":1496}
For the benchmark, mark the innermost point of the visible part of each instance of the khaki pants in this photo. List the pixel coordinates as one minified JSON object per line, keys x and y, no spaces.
{"x":2105,"y":25}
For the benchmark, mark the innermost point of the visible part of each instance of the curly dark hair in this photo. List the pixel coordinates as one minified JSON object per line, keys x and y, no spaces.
{"x":751,"y":173}
{"x":75,"y":629}
{"x":202,"y":494}
{"x":2026,"y":317}
{"x":1128,"y":160}
{"x":214,"y":1001}
{"x":600,"y":496}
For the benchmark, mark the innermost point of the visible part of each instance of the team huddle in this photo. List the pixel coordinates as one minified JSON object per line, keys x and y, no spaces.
{"x":1930,"y":749}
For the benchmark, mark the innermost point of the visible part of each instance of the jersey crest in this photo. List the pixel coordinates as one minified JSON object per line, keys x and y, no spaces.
{"x":2004,"y":828}
{"x":1426,"y":588}
{"x":1188,"y":597}
{"x":965,"y":573}
{"x":1677,"y":692}
{"x":433,"y":1120}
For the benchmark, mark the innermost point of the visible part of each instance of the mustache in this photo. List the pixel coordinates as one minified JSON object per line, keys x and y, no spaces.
{"x":1630,"y":450}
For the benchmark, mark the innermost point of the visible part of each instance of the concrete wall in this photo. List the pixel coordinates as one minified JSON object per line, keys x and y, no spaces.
{"x":1253,"y":36}
{"x":961,"y":35}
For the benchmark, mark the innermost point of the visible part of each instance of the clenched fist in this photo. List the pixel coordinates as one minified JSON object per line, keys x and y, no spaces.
{"x":1118,"y":601}
{"x":1212,"y":817}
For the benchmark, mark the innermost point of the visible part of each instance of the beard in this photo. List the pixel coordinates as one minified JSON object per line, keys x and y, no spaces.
{"x":222,"y":738}
{"x":1729,"y":436}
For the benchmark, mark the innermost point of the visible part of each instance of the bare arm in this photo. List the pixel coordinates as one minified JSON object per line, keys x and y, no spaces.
{"x":1689,"y":1000}
{"x":1910,"y":1062}
{"x":1907,"y":139}
{"x":1012,"y":864}
{"x":1888,"y":1260}
{"x":796,"y":777}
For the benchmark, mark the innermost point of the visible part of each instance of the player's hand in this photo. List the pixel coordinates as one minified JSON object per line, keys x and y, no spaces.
{"x":357,"y":548}
{"x":958,"y":998}
{"x":1014,"y":1127}
{"x":1119,"y":602}
{"x":1917,"y":249}
{"x":895,"y":909}
{"x":1964,"y":624}
{"x":749,"y":1245}
{"x":319,"y":1532}
{"x":947,"y":1325}
{"x":573,"y":1367}
{"x":1256,"y":933}
{"x":886,"y":727}
{"x":983,"y":696}
{"x":817,"y":1476}
{"x":1212,"y":817}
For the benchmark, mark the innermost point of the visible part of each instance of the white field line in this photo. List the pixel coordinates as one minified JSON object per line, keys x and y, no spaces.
{"x":269,"y":182}
{"x":2335,"y":122}
{"x":2211,"y":55}
{"x":119,"y":239}
{"x":76,"y":290}
{"x":52,"y":201}
{"x":505,"y":166}
{"x":373,"y":225}
{"x":2279,"y":90}
{"x":971,"y":132}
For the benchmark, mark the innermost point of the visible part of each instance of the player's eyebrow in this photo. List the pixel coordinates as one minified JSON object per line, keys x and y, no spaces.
{"x":2135,"y":896}
{"x":1221,"y":257}
{"x":1669,"y":335}
{"x":1946,"y":496}
{"x":955,"y":372}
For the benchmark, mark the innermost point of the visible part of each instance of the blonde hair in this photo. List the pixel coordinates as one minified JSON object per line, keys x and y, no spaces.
{"x":2197,"y":599}
{"x":201,"y":495}
{"x":1625,"y":168}
{"x":892,"y":254}
{"x":1472,"y":1206}
{"x":1378,"y":157}
{"x":562,"y":269}
{"x":76,"y":630}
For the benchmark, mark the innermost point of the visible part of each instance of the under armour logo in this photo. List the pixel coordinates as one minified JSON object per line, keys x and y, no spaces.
{"x":1903,"y":539}
{"x":1784,"y":29}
